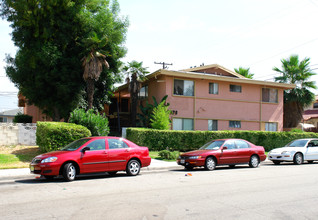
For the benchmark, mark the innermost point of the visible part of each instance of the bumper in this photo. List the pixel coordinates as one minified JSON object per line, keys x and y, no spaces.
{"x":145,"y":161}
{"x":280,"y":157}
{"x":45,"y":169}
{"x":193,"y":163}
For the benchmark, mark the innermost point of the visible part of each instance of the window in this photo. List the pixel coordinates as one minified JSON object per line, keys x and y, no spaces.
{"x":116,"y":144}
{"x":213,"y":125}
{"x":230,"y":145}
{"x":182,"y":124}
{"x":183,"y":87}
{"x":269,"y":95}
{"x":213,"y":88}
{"x":241,"y":144}
{"x":270,"y":126}
{"x":235,"y":88}
{"x":3,"y":119}
{"x":143,"y":93}
{"x":235,"y":124}
{"x":97,"y":145}
{"x":316,"y":105}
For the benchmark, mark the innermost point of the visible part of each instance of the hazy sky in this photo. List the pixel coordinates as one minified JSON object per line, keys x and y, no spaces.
{"x":232,"y":33}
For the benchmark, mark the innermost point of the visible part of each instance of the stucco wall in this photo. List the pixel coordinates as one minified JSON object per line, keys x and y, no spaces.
{"x":14,"y":134}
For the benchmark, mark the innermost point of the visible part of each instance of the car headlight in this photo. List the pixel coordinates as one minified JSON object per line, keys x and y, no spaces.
{"x":194,"y":157}
{"x":49,"y":160}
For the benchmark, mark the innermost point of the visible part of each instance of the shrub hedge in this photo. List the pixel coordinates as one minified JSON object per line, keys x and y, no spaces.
{"x":157,"y":140}
{"x":51,"y":136}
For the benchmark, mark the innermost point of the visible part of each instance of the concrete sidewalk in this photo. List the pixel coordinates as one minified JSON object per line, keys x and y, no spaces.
{"x":155,"y":165}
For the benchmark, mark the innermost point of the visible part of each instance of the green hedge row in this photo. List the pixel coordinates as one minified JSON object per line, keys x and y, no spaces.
{"x":157,"y":140}
{"x":51,"y":136}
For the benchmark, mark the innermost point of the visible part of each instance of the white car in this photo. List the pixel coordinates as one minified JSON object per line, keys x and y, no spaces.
{"x":297,"y":151}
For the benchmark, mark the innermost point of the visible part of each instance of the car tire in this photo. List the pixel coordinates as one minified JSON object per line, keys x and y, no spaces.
{"x":254,"y":161}
{"x":48,"y":177}
{"x":133,"y":168}
{"x":298,"y":159}
{"x":69,"y":172}
{"x":112,"y":173}
{"x":210,"y":164}
{"x":232,"y":165}
{"x":276,"y":162}
{"x":188,"y":167}
{"x":310,"y":161}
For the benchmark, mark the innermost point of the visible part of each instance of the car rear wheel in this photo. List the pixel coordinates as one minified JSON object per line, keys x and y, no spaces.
{"x":254,"y":161}
{"x":298,"y":159}
{"x":276,"y":162}
{"x":69,"y":172}
{"x":133,"y":168}
{"x":210,"y":164}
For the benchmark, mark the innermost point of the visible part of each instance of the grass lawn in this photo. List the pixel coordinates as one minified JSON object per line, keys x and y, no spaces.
{"x":17,"y":156}
{"x":155,"y":155}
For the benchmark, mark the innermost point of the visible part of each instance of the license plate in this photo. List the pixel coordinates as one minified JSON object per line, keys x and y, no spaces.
{"x":182,"y":161}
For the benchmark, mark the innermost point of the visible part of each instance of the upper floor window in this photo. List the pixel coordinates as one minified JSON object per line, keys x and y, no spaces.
{"x":270,"y":126}
{"x":213,"y":125}
{"x":183,"y":87}
{"x":235,"y":124}
{"x":235,"y":88}
{"x":182,"y":124}
{"x":315,"y":105}
{"x":269,"y":95}
{"x":213,"y":88}
{"x":143,"y":93}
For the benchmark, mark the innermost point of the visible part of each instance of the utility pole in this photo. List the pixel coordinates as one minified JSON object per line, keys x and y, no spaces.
{"x":164,"y":65}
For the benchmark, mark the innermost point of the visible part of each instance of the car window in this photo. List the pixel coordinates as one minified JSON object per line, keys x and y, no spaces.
{"x":230,"y":144}
{"x":313,"y":143}
{"x":116,"y":144}
{"x":97,"y":145}
{"x":298,"y":143}
{"x":241,"y":144}
{"x":212,"y":145}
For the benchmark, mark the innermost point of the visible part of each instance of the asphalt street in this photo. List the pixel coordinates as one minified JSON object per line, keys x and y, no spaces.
{"x":286,"y":191}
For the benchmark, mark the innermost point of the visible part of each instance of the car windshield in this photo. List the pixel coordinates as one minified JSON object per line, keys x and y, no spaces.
{"x":213,"y":145}
{"x":74,"y":145}
{"x":297,"y":143}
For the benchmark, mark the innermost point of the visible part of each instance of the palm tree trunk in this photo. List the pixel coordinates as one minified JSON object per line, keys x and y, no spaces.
{"x":90,"y":92}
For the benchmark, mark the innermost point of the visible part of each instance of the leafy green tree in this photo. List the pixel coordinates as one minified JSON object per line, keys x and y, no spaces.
{"x":160,"y":117}
{"x":244,"y":72}
{"x":135,"y":74}
{"x":53,"y":37}
{"x":297,"y":72}
{"x":46,"y":68}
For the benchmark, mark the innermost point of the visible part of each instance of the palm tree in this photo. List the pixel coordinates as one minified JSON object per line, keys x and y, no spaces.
{"x":244,"y":72}
{"x":135,"y":74}
{"x":295,"y":100}
{"x":93,"y":64}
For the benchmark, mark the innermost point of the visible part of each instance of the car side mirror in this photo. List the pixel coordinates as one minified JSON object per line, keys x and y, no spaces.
{"x":85,"y":149}
{"x":310,"y":145}
{"x":225,"y":148}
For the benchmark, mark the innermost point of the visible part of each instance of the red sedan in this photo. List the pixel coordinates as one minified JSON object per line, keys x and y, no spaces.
{"x":92,"y":155}
{"x":223,"y":152}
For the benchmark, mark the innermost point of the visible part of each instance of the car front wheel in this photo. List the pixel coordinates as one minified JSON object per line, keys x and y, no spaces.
{"x":133,"y":168}
{"x":298,"y":159}
{"x":69,"y":172}
{"x":254,"y":161}
{"x":209,"y":164}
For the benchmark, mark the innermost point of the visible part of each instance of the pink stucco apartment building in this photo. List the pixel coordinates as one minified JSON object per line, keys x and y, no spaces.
{"x":211,"y":98}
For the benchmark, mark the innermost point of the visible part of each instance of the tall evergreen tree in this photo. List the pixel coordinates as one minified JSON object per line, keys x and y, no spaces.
{"x":244,"y":72}
{"x":135,"y":74}
{"x":297,"y":72}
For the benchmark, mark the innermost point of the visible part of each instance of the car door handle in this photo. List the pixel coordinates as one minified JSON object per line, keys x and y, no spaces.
{"x":127,"y":150}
